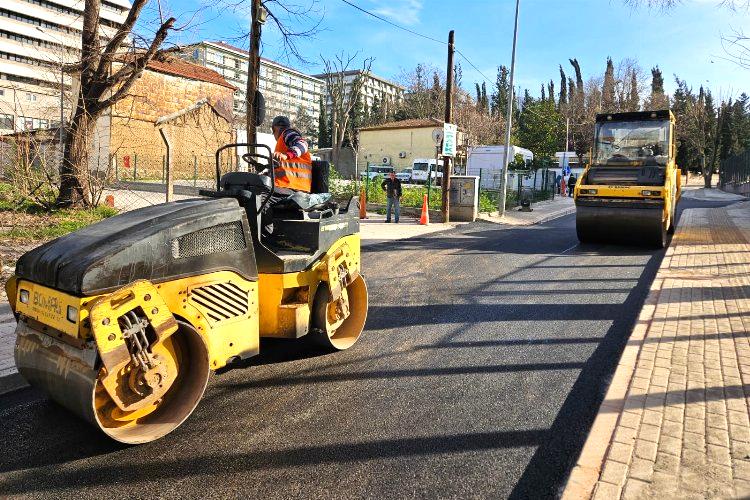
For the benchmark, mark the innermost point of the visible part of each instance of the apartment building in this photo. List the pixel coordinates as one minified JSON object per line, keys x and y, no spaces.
{"x":286,"y":90}
{"x":374,"y":88}
{"x":36,"y":38}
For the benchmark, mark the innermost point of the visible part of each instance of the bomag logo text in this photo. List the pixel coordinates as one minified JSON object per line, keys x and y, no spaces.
{"x":48,"y":304}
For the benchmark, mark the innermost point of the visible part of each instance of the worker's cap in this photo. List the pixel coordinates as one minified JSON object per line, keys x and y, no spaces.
{"x":281,"y":121}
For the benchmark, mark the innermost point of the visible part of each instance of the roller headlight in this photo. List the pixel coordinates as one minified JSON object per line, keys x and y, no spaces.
{"x":72,"y":314}
{"x":24,"y":296}
{"x":646,"y":192}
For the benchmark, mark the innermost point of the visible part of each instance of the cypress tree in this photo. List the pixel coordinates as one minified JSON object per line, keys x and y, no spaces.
{"x":563,"y":87}
{"x":608,"y":89}
{"x":634,"y":100}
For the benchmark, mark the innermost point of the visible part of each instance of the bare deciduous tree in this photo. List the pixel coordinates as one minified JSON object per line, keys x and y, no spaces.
{"x":102,"y":84}
{"x":342,"y":95}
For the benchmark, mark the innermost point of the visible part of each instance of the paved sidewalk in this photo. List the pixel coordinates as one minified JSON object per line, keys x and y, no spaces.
{"x":375,"y":230}
{"x":543,"y":211}
{"x":712,"y":194}
{"x":675,"y":421}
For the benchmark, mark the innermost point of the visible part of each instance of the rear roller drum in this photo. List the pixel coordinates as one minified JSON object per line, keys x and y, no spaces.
{"x":337,"y":324}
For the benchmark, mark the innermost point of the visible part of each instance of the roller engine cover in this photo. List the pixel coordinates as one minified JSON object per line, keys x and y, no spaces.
{"x":157,"y":243}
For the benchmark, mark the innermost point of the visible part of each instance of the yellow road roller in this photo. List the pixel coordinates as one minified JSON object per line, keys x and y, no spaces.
{"x":122,"y":322}
{"x":629,"y":192}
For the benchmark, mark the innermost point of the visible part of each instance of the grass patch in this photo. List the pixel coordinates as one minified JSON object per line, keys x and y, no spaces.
{"x":31,"y":223}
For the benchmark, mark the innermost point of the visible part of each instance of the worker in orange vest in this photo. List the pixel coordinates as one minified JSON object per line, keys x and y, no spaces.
{"x":294,"y":170}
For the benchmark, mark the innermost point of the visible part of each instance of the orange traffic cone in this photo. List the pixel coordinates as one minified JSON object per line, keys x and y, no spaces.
{"x":425,"y":219}
{"x":362,"y":203}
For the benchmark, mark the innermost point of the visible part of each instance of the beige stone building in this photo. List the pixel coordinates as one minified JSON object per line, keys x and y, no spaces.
{"x":399,"y":143}
{"x":130,"y":138}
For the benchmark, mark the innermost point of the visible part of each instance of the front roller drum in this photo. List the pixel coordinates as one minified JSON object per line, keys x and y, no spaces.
{"x":338,"y":324}
{"x":71,"y":377}
{"x":623,"y":225}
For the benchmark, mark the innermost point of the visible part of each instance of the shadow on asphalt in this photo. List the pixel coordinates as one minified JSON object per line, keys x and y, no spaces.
{"x":273,"y":351}
{"x":553,"y":460}
{"x":48,"y":434}
{"x":214,"y":466}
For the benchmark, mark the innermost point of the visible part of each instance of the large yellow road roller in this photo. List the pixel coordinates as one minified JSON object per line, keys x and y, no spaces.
{"x":122,"y":321}
{"x":629,"y":192}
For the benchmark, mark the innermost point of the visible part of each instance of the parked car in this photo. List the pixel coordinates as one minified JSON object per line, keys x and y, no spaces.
{"x":404,"y":175}
{"x":376,"y":170}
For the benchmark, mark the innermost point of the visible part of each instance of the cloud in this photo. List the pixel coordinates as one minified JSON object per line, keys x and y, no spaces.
{"x":399,"y":11}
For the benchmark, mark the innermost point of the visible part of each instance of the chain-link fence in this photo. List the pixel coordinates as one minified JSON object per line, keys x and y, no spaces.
{"x":29,"y":172}
{"x":734,"y":174}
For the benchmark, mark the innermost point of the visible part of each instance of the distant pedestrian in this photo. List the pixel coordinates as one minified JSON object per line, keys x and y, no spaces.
{"x":392,"y":188}
{"x":558,"y":181}
{"x":571,"y":184}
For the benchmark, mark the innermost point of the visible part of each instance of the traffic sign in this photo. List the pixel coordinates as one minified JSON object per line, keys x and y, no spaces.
{"x":449,"y":139}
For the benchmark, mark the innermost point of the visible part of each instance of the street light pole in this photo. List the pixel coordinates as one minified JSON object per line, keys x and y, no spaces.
{"x":509,"y":120}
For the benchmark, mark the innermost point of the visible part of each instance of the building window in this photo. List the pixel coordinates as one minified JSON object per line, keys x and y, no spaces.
{"x":2,"y":92}
{"x":30,"y":97}
{"x":196,"y":54}
{"x":6,"y":121}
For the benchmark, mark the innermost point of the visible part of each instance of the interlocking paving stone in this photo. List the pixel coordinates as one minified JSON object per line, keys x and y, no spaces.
{"x":684,"y":427}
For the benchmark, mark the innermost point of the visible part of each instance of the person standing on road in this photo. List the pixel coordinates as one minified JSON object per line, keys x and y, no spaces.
{"x":392,"y":188}
{"x":571,"y":184}
{"x":558,"y":181}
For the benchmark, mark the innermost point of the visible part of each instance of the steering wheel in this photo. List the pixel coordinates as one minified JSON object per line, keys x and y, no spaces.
{"x":251,"y":159}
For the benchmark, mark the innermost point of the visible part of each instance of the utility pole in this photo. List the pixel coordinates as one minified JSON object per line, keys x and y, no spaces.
{"x":509,"y":120}
{"x":565,"y":153}
{"x":253,"y":71}
{"x":446,"y":182}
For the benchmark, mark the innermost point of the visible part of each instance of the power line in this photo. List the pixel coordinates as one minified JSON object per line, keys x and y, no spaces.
{"x":415,"y":33}
{"x":472,"y":65}
{"x":392,"y":23}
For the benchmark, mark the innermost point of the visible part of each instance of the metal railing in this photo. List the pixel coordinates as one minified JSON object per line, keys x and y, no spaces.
{"x":735,"y":171}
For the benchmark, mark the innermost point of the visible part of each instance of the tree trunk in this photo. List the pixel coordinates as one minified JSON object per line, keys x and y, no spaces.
{"x":74,"y":189}
{"x":707,"y":172}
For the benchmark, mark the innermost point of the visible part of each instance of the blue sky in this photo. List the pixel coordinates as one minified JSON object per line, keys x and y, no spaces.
{"x":686,"y":41}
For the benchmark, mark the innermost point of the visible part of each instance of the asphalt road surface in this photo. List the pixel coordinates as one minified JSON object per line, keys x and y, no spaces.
{"x":486,"y":353}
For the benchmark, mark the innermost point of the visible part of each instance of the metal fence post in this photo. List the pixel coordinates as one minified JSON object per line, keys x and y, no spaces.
{"x":135,"y":167}
{"x":195,"y":170}
{"x":163,"y":168}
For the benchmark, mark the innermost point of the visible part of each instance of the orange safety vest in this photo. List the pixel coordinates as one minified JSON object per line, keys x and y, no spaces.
{"x":295,"y":173}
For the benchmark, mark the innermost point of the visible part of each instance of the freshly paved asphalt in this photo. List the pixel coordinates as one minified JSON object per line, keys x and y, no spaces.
{"x":485,"y":356}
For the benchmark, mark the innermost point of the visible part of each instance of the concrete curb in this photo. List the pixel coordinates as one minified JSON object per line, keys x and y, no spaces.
{"x":546,"y":218}
{"x":585,"y":474}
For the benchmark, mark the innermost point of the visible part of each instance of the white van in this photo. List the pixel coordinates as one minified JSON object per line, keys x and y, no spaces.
{"x":422,"y":166}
